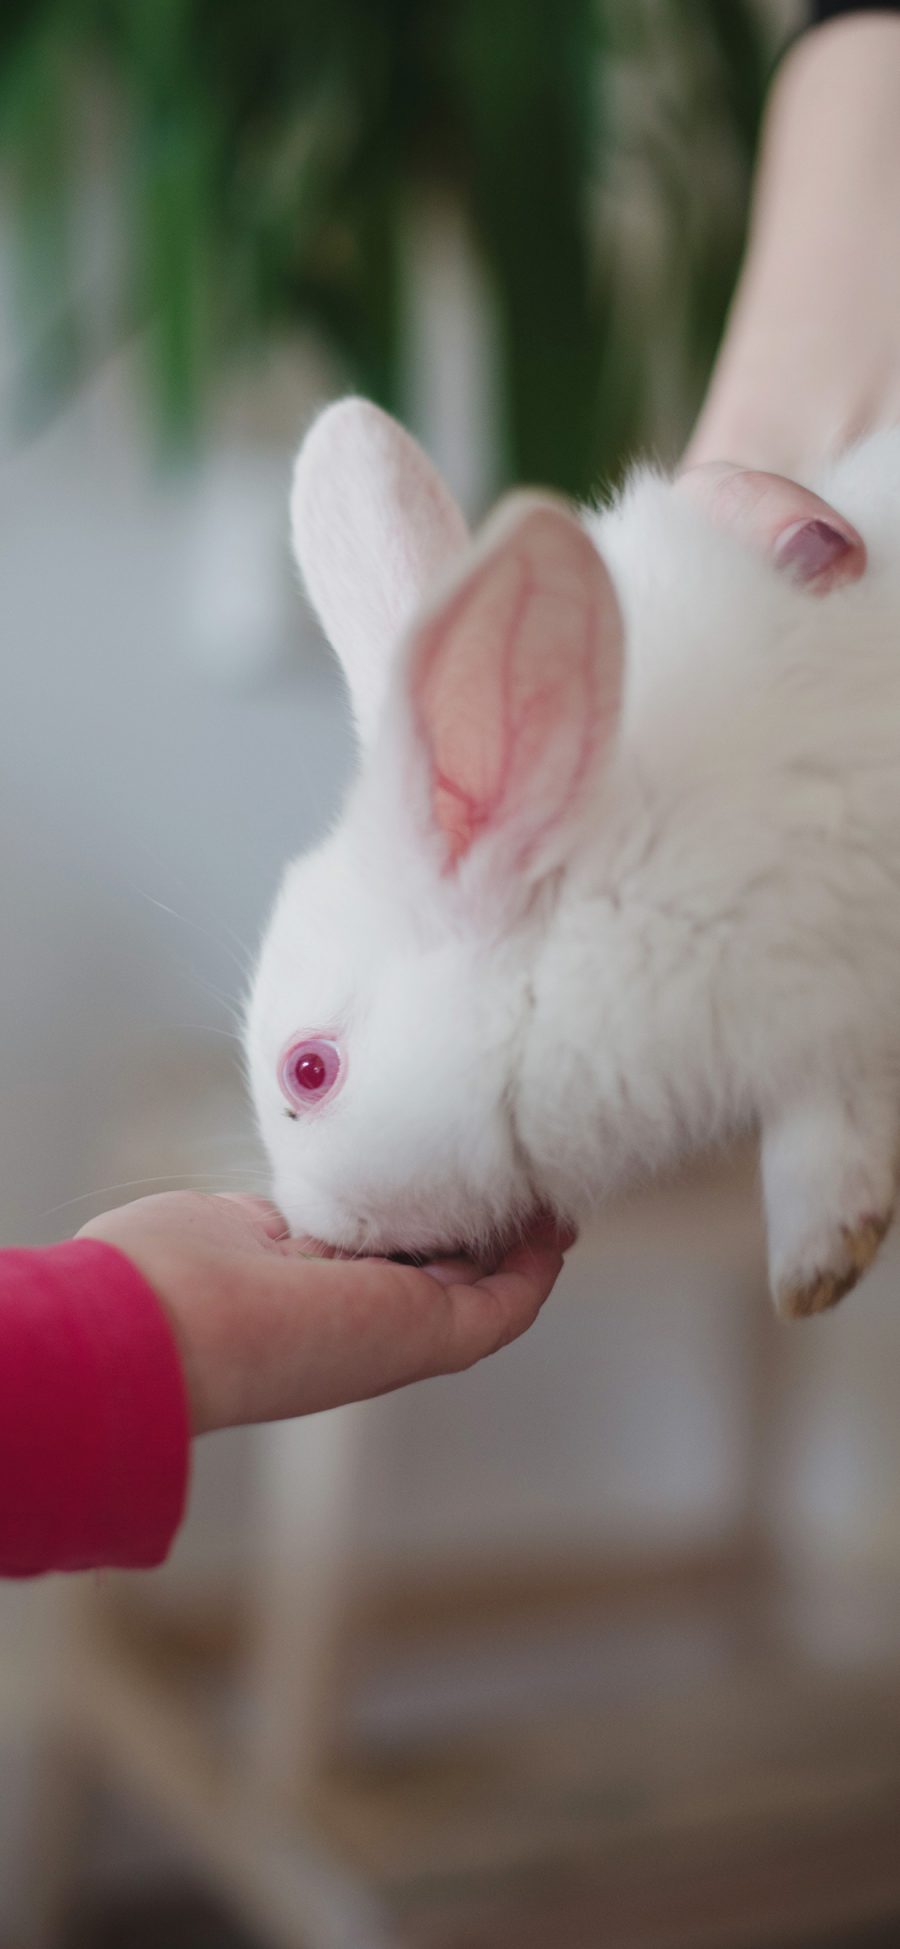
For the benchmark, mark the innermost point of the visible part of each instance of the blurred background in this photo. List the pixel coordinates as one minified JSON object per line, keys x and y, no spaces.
{"x":594,"y":1648}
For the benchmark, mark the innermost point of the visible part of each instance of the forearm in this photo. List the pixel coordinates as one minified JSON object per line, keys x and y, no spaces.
{"x":811,"y":355}
{"x":93,"y":1414}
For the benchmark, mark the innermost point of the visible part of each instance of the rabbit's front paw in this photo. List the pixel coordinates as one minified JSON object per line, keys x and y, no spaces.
{"x":829,"y":1177}
{"x":833,"y":1270}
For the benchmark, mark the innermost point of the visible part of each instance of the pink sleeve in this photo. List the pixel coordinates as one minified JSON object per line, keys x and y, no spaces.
{"x":94,"y":1435}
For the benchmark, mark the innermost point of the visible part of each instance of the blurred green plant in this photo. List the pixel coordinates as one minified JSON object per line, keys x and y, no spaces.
{"x":269,"y":152}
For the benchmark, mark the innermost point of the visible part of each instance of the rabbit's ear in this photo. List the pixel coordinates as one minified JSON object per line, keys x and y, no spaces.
{"x":515,"y":687}
{"x":803,"y":536}
{"x":373,"y":528}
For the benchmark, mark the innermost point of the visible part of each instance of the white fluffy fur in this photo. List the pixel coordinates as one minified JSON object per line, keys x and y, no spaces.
{"x":719,"y":949}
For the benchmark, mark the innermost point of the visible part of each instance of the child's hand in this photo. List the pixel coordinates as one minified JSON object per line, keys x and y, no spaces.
{"x":267,"y":1330}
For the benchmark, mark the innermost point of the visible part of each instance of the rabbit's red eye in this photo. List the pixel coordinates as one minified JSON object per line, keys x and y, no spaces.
{"x":309,"y":1071}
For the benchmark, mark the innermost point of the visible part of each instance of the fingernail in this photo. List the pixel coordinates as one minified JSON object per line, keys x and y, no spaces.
{"x":448,"y":1274}
{"x":810,"y":549}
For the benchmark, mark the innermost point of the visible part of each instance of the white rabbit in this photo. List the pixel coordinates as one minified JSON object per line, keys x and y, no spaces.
{"x":619,"y":874}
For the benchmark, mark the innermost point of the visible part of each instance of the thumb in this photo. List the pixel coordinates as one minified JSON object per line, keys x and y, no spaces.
{"x":802,"y":535}
{"x":264,"y":1218}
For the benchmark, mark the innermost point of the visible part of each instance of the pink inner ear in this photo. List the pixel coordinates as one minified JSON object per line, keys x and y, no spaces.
{"x":516,"y":682}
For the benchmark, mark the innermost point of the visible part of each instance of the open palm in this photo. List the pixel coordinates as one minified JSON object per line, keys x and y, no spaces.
{"x":268,"y":1327}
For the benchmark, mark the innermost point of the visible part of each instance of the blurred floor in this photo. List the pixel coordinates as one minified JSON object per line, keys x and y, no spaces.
{"x":183,"y":1919}
{"x":176,"y":1918}
{"x":723,"y":1775}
